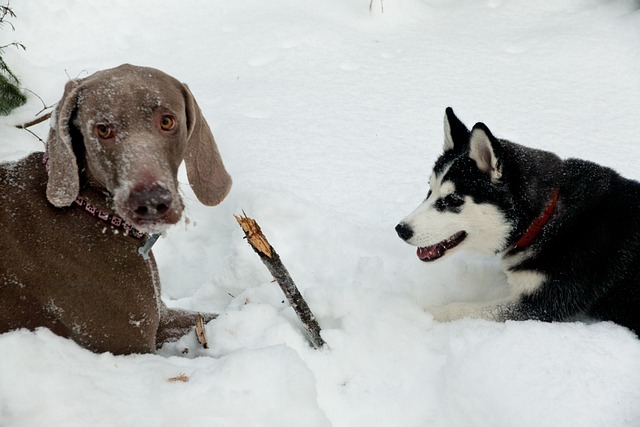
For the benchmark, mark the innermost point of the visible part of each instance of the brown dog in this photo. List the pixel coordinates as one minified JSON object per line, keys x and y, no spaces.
{"x":70,"y":239}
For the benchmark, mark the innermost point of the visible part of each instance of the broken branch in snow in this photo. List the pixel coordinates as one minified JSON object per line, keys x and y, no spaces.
{"x":34,"y":122}
{"x":201,"y":334}
{"x":180,"y":378}
{"x":272,"y":261}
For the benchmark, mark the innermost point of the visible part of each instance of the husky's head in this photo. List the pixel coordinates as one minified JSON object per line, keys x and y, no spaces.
{"x":468,"y":203}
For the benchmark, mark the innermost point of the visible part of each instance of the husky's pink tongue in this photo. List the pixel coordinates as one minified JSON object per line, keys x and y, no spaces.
{"x":433,"y":252}
{"x":429,"y":253}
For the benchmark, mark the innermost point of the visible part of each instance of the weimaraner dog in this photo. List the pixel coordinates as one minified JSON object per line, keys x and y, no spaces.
{"x":73,"y":219}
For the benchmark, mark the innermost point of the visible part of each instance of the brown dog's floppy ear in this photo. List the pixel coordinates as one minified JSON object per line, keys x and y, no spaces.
{"x":63,"y":184}
{"x":207,"y":176}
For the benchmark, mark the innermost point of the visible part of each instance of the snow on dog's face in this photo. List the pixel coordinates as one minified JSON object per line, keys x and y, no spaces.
{"x":135,"y":146}
{"x":466,"y":203}
{"x":126,"y":130}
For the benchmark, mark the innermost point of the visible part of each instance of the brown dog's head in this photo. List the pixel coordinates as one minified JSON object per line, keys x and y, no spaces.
{"x":130,"y":128}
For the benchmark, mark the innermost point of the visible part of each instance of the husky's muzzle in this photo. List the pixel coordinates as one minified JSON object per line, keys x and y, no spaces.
{"x":431,"y":252}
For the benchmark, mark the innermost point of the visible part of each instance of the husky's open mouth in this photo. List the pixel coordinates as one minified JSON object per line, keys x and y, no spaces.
{"x":433,"y":252}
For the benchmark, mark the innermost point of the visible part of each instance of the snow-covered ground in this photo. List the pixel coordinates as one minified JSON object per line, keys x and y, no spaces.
{"x":329,"y":117}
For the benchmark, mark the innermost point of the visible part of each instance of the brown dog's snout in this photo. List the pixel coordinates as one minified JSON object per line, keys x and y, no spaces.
{"x":150,"y":202}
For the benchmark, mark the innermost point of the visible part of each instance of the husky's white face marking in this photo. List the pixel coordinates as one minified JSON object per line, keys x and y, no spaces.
{"x":447,"y":219}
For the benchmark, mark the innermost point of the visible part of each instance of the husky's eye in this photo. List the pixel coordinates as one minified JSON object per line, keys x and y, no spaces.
{"x":453,"y":200}
{"x":449,"y":202}
{"x":429,"y":194}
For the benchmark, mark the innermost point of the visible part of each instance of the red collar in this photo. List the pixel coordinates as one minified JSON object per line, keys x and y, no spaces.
{"x":109,"y":218}
{"x":117,"y":222}
{"x":112,"y":219}
{"x":536,"y":226}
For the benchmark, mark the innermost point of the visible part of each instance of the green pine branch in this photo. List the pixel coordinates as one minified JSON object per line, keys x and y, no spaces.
{"x":10,"y":95}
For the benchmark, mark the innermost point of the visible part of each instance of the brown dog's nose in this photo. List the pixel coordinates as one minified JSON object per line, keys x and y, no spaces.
{"x":151,"y":202}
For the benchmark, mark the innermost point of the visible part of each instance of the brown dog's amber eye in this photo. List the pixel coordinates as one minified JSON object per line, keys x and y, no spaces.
{"x":167,"y":123}
{"x":104,"y":131}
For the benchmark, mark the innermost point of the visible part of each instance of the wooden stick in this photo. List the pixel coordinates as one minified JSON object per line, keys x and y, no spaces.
{"x":272,"y":261}
{"x":34,"y":122}
{"x":201,"y":333}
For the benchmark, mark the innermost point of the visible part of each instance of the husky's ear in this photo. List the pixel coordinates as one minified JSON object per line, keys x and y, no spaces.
{"x":456,"y":133}
{"x":482,"y":150}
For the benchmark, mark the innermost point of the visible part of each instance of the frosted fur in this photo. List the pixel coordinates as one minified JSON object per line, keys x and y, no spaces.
{"x":117,"y":140}
{"x":128,"y":99}
{"x":208,"y":177}
{"x":63,"y":184}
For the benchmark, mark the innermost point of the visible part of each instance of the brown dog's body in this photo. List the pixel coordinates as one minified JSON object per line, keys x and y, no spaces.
{"x":66,"y":270}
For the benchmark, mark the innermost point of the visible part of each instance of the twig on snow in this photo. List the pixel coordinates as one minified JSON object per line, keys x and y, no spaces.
{"x":272,"y":261}
{"x":34,"y":121}
{"x":201,"y":334}
{"x":179,"y":378}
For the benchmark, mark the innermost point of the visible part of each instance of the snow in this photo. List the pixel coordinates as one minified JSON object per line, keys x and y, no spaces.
{"x":329,"y":116}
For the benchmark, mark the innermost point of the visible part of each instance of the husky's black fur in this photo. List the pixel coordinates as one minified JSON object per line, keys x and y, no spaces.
{"x":588,"y":250}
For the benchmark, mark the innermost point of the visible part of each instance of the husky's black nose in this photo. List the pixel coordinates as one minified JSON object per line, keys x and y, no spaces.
{"x":404,"y":231}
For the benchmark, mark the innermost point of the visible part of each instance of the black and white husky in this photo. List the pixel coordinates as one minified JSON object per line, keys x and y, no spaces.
{"x":568,"y":231}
